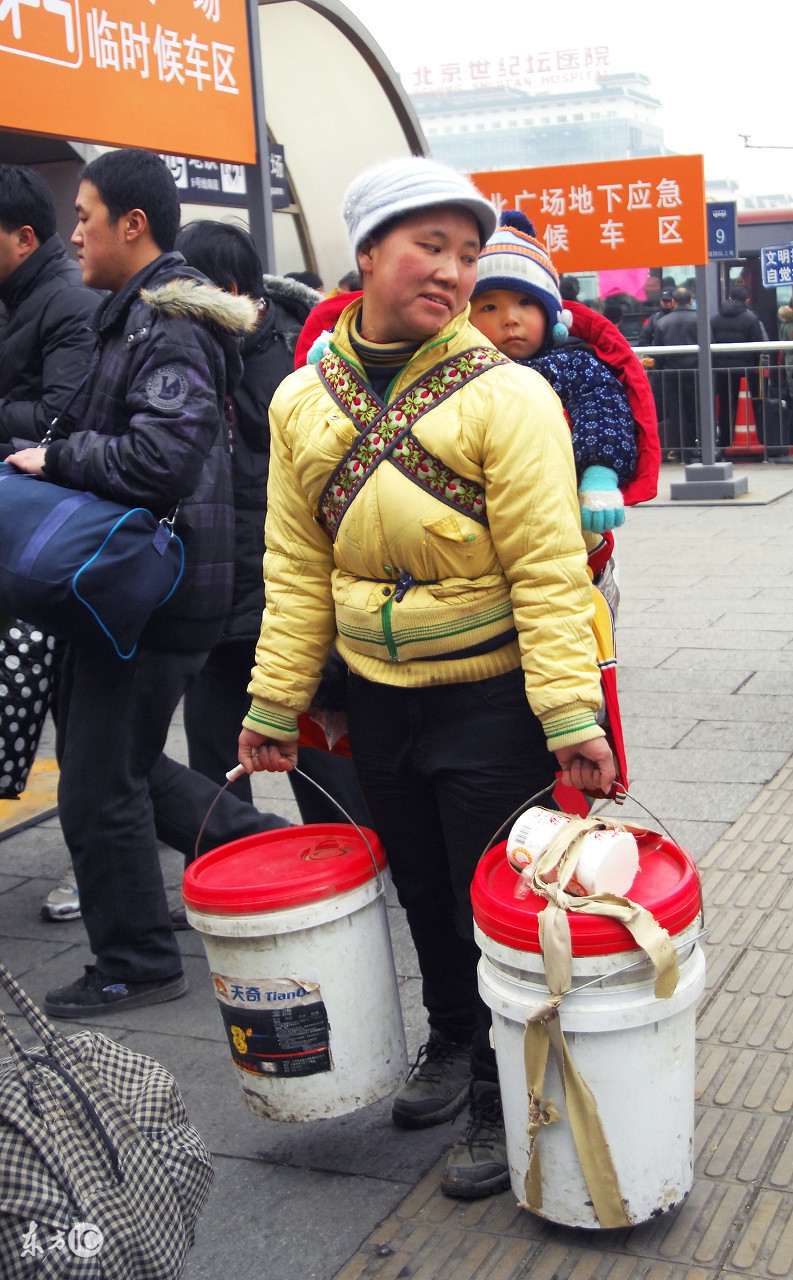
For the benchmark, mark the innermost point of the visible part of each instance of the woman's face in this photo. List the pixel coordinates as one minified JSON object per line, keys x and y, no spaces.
{"x":420,"y":275}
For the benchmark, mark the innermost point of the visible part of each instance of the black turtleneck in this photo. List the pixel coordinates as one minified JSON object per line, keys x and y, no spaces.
{"x":382,"y":361}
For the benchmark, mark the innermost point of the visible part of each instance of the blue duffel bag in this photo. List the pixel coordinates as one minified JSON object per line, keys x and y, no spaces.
{"x":81,"y":567}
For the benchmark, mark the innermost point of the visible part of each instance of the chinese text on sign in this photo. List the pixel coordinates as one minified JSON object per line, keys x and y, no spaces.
{"x":614,"y":214}
{"x":172,"y":75}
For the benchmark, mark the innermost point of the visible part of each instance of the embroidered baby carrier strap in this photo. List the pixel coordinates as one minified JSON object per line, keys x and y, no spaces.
{"x":551,"y":875}
{"x":386,"y":432}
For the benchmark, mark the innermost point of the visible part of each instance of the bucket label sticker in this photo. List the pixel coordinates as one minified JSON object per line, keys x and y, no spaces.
{"x":275,"y":1026}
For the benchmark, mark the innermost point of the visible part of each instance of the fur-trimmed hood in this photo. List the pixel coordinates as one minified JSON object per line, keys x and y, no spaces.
{"x":785,"y":314}
{"x":295,"y":297}
{"x":205,"y":303}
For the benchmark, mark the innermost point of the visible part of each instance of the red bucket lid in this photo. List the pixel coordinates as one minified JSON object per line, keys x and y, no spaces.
{"x":279,"y":869}
{"x":667,"y":885}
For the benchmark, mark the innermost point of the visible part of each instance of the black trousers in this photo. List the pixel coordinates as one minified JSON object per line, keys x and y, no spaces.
{"x":680,"y":408}
{"x":183,"y":799}
{"x":112,"y":722}
{"x":214,"y":707}
{"x":441,"y":768}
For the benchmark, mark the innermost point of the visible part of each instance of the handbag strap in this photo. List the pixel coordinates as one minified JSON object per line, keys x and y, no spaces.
{"x":58,"y":1058}
{"x":47,"y":438}
{"x":19,"y":1056}
{"x":385,"y":431}
{"x":46,"y":1032}
{"x":51,"y":1134}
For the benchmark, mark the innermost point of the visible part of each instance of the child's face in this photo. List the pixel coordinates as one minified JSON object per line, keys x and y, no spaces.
{"x":513,"y":322}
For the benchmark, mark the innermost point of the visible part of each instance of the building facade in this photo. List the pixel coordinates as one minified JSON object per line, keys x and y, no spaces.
{"x":612,"y":117}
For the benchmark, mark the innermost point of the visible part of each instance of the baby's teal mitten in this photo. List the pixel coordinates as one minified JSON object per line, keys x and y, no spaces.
{"x":600,"y":500}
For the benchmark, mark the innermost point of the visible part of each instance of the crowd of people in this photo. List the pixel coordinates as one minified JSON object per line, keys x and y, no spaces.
{"x":428,"y":493}
{"x":674,"y":377}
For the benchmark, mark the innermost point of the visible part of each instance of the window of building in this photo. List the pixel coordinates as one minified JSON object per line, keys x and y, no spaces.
{"x":480,"y":126}
{"x":610,"y":115}
{"x":545,"y":119}
{"x":595,"y":115}
{"x":580,"y":116}
{"x":561,"y":119}
{"x":464,"y":128}
{"x":495,"y":124}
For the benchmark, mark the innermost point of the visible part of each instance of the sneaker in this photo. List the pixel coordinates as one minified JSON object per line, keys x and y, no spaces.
{"x":62,"y":903}
{"x":477,"y":1164}
{"x":94,"y":993}
{"x":437,"y":1086}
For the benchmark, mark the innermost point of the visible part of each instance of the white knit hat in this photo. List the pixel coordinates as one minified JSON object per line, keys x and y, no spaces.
{"x":401,"y":187}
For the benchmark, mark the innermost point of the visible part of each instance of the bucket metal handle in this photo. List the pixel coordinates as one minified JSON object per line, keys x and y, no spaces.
{"x":239,"y":770}
{"x":624,"y":795}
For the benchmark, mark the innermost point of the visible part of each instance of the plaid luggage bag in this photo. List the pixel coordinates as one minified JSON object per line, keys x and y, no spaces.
{"x":103,"y":1177}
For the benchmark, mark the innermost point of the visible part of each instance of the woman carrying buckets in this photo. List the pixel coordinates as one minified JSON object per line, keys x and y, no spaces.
{"x":423,"y":515}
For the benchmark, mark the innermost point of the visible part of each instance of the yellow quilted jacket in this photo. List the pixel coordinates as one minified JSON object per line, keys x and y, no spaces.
{"x":526,"y":570}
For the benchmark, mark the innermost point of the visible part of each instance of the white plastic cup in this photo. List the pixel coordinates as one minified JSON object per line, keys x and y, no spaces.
{"x":608,"y":861}
{"x":531,"y":835}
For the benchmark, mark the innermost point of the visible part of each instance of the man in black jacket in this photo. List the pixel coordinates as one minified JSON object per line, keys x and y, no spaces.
{"x":667,"y":304}
{"x":679,"y":374}
{"x":734,"y":323}
{"x":216,"y":702}
{"x":148,"y":429}
{"x":46,"y":338}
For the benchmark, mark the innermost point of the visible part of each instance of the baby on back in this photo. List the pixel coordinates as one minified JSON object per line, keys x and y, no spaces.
{"x":517,"y":305}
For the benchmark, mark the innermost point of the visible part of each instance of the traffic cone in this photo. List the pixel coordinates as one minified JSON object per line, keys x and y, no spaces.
{"x":744,"y":436}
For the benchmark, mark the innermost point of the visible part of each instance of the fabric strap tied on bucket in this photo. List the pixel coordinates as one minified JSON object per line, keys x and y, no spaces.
{"x":551,"y":875}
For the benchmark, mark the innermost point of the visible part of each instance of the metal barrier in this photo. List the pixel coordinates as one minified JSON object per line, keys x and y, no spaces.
{"x":752,"y":397}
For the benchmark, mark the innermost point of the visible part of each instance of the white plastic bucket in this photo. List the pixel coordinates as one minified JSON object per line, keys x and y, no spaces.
{"x":635,"y":1052}
{"x":307,"y":990}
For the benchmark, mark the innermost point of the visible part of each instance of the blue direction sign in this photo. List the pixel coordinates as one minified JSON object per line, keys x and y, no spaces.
{"x":722,"y":230}
{"x":776,"y":265}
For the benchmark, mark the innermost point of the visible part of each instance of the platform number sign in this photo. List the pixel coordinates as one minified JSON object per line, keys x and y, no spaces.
{"x":722,"y":230}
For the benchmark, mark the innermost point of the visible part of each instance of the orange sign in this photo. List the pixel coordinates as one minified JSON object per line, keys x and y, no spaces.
{"x":611,"y":215}
{"x":169,"y":75}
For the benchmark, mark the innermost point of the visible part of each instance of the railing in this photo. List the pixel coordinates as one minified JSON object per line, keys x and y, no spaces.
{"x":753,"y":400}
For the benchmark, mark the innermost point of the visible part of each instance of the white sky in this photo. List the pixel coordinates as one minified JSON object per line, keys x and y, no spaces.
{"x":718,"y":69}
